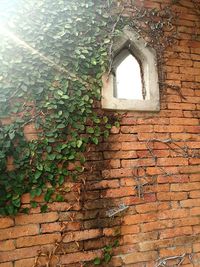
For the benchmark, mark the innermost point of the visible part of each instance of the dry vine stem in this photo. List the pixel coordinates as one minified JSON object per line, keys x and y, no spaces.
{"x":163,"y":262}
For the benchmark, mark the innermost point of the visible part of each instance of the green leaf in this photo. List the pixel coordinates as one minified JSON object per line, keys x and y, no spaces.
{"x":95,"y":140}
{"x":107,"y":257}
{"x":11,"y":135}
{"x":44,"y":208}
{"x":60,"y":126}
{"x":51,"y":156}
{"x":38,"y":191}
{"x":59,"y":198}
{"x":90,"y":130}
{"x":40,"y":167}
{"x":37,"y":174}
{"x":79,"y":143}
{"x":34,"y":204}
{"x":117,"y":124}
{"x":61,"y":180}
{"x":97,"y":261}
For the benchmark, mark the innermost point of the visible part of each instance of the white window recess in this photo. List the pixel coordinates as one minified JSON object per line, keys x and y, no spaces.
{"x":133,"y":81}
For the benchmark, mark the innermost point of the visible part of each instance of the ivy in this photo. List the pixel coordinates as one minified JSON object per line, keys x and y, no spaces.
{"x":107,"y":254}
{"x":53,"y":55}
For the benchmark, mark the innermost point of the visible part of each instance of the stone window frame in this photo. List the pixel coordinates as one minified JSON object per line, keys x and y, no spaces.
{"x":146,"y":56}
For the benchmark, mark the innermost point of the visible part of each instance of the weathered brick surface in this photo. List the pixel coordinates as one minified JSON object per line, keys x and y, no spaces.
{"x":151,"y":163}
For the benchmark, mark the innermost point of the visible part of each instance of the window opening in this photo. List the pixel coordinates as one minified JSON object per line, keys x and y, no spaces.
{"x":128,"y":78}
{"x":133,"y":82}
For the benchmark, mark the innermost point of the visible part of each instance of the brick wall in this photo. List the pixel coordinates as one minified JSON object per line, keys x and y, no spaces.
{"x":151,"y":164}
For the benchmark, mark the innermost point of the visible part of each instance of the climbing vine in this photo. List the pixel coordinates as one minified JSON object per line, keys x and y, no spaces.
{"x":53,"y":55}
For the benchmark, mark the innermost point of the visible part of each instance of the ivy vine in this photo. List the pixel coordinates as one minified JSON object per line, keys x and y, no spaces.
{"x":53,"y":55}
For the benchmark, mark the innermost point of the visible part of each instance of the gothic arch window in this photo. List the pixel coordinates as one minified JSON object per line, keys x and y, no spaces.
{"x":128,"y":77}
{"x":133,"y":81}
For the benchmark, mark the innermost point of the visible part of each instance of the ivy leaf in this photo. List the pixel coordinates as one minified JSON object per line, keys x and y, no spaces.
{"x":51,"y":156}
{"x":37,"y":174}
{"x":61,"y":180}
{"x":59,"y":198}
{"x":117,"y":124}
{"x":40,"y":167}
{"x":34,"y":204}
{"x":97,"y":261}
{"x":61,"y":126}
{"x":12,"y":135}
{"x":44,"y":208}
{"x":95,"y":140}
{"x":79,"y":143}
{"x":38,"y":191}
{"x":107,"y":257}
{"x":90,"y":130}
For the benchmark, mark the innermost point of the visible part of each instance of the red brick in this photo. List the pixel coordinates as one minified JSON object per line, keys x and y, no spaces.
{"x":183,"y":136}
{"x":138,"y":162}
{"x":182,"y":106}
{"x":128,"y":121}
{"x":122,"y":138}
{"x":37,"y":240}
{"x":82,"y":235}
{"x":137,"y":257}
{"x":139,"y":218}
{"x":147,"y":136}
{"x":162,"y":170}
{"x":168,"y":128}
{"x":22,"y":253}
{"x":129,"y":229}
{"x":190,"y":169}
{"x":179,"y":62}
{"x":157,"y":153}
{"x":14,"y":232}
{"x":169,"y":233}
{"x":174,"y":251}
{"x":36,"y":218}
{"x":173,"y":179}
{"x":184,"y":121}
{"x":6,"y":222}
{"x":103,"y":184}
{"x":190,"y":203}
{"x":133,"y":146}
{"x":7,"y":264}
{"x":80,"y":257}
{"x":171,"y":113}
{"x":171,"y":196}
{"x":117,"y":173}
{"x":152,"y":226}
{"x":194,"y":161}
{"x":152,"y":121}
{"x":186,"y":221}
{"x":25,"y":263}
{"x":173,"y":214}
{"x":172,"y":161}
{"x":195,"y":178}
{"x":194,"y":194}
{"x":120,"y":154}
{"x":137,"y":129}
{"x":147,"y":207}
{"x":192,"y":129}
{"x":195,"y":211}
{"x":119,"y":192}
{"x":7,"y":245}
{"x":185,"y":186}
{"x":50,"y":227}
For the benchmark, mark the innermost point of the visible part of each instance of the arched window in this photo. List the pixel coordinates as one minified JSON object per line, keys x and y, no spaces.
{"x":133,"y":81}
{"x":128,"y":77}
